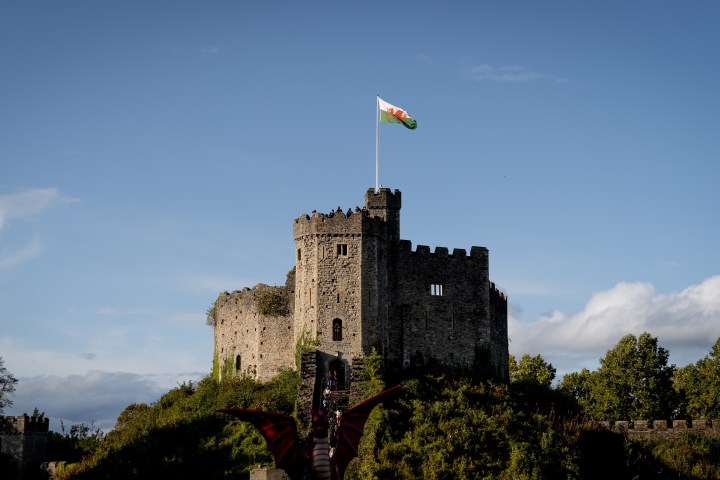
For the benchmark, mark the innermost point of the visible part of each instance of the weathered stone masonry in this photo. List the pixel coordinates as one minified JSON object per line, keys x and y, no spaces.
{"x":355,"y":286}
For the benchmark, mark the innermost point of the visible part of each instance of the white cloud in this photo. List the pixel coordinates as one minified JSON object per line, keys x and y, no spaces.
{"x":510,"y":74}
{"x":687,"y":323}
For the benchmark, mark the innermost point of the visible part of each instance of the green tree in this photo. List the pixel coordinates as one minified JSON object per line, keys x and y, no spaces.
{"x":579,"y":385}
{"x":531,"y":370}
{"x":653,"y":395}
{"x":698,"y":385}
{"x":7,"y":386}
{"x":634,"y":381}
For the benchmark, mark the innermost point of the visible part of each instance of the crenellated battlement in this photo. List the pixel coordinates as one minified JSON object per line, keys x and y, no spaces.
{"x":383,"y":198}
{"x":338,"y":213}
{"x":497,"y":293}
{"x":23,"y":444}
{"x":663,"y":428}
{"x":337,"y":222}
{"x":476,"y":253}
{"x":22,"y":424}
{"x":380,"y":215}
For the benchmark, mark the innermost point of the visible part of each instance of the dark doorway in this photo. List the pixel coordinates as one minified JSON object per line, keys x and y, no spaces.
{"x":338,"y":366}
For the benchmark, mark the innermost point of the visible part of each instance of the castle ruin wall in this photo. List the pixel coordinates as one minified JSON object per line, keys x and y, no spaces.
{"x":248,"y":342}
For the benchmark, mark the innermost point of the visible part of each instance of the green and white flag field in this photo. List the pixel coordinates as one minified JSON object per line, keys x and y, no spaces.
{"x":392,"y":114}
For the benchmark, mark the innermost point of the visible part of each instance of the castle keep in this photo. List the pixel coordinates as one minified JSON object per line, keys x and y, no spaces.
{"x":356,"y":285}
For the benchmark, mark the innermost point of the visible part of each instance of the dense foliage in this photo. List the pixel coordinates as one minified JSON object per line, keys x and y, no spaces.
{"x":446,"y":424}
{"x":273,"y":301}
{"x":182,"y":436}
{"x":698,"y":386}
{"x":634,"y":382}
{"x":531,"y":369}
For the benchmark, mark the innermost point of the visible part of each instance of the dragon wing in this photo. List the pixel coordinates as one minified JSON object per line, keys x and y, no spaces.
{"x":352,"y":425}
{"x":280,"y":433}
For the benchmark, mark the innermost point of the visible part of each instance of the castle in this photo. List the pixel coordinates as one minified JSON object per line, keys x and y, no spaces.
{"x":356,"y":286}
{"x":23,"y":442}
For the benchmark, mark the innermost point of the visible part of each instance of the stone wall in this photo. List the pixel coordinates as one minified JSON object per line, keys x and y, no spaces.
{"x":248,"y":342}
{"x":448,"y":311}
{"x":24,"y":440}
{"x":358,"y":286}
{"x":499,"y":347}
{"x":670,"y":429}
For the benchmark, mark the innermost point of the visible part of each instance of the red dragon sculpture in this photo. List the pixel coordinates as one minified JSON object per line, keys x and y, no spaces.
{"x":313,"y":462}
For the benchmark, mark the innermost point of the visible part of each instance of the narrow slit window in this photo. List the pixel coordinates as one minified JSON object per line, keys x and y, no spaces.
{"x":237,"y":363}
{"x":299,"y":254}
{"x":436,"y":289}
{"x":342,"y":249}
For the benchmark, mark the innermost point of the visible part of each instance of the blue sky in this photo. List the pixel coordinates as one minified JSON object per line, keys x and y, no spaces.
{"x":154,"y":154}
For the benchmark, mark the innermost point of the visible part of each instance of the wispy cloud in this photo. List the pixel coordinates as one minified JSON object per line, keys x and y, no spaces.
{"x":30,"y":202}
{"x":20,"y":205}
{"x":11,"y":257}
{"x":510,"y":74}
{"x":685,"y":322}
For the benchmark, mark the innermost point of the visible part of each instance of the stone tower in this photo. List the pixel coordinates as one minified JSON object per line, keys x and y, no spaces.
{"x":356,"y":285}
{"x":342,"y":278}
{"x":23,"y":439}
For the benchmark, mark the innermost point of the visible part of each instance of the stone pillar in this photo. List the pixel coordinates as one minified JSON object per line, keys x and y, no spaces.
{"x":308,"y":390}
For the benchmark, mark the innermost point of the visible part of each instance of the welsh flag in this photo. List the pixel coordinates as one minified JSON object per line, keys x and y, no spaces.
{"x":392,"y":114}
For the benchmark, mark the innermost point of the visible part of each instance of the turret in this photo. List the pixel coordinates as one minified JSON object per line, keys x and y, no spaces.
{"x":386,"y":204}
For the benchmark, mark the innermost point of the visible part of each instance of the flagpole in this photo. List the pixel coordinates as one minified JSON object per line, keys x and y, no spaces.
{"x":377,"y":122}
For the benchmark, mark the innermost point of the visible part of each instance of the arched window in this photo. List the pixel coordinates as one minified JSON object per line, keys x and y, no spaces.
{"x":337,"y":330}
{"x":237,"y":363}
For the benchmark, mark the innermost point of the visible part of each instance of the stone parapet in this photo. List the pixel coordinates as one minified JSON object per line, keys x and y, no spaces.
{"x":663,"y":428}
